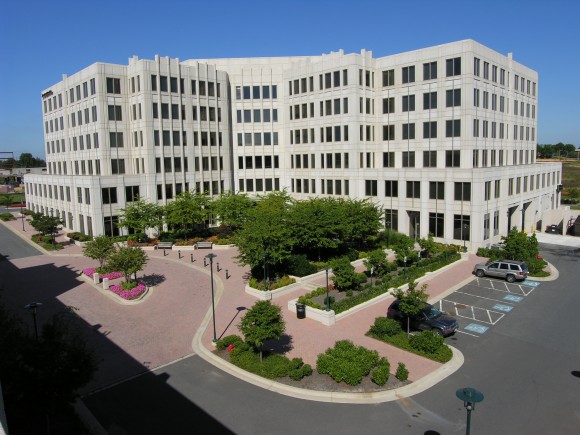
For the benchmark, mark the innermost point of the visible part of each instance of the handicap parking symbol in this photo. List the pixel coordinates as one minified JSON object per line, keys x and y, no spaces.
{"x":474,"y":327}
{"x":502,"y":307}
{"x":531,"y":283}
{"x":512,"y":298}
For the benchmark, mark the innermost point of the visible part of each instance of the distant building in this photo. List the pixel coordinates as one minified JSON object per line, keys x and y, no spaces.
{"x":443,"y":138}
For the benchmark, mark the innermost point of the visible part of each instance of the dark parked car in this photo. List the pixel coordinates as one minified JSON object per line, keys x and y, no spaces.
{"x":554,"y":229}
{"x":430,"y":318}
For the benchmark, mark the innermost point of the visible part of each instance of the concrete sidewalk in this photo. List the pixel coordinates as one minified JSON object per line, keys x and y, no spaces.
{"x":160,"y":329}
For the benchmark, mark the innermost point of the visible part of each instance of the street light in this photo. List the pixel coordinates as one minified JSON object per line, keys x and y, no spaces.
{"x":22,"y":217}
{"x":32,"y":308}
{"x":327,"y":297}
{"x":464,"y":231}
{"x":470,"y":397}
{"x":265,"y":281}
{"x":388,"y":232}
{"x":211,"y":257}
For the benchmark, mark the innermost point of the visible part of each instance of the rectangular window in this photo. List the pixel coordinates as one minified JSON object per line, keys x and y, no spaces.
{"x":453,"y":98}
{"x":370,"y":187}
{"x":389,"y":77}
{"x":408,"y":74}
{"x":388,"y":159}
{"x":436,"y":224}
{"x":408,"y":103}
{"x":388,"y":132}
{"x":413,"y":189}
{"x":408,"y":159}
{"x":113,"y":86}
{"x":436,"y":190}
{"x":109,"y":195}
{"x":430,"y":71}
{"x":453,"y":67}
{"x":117,"y":166}
{"x":391,"y":188}
{"x":453,"y":128}
{"x":389,"y":105}
{"x":115,"y":113}
{"x":116,"y":140}
{"x":462,"y":191}
{"x":452,"y":158}
{"x":430,"y":130}
{"x":409,"y":131}
{"x":429,"y":100}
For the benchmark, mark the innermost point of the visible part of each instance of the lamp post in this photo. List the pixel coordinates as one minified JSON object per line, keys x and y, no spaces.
{"x":211,"y":257}
{"x":32,"y":308}
{"x":464,"y":231}
{"x":388,"y":232}
{"x":327,"y":297}
{"x":470,"y":397}
{"x":22,"y":217}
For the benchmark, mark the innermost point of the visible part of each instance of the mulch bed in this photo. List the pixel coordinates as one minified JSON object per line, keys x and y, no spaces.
{"x":320,"y":382}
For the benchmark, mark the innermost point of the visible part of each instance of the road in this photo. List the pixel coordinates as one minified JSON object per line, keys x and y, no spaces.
{"x":527,"y":365}
{"x":13,"y":247}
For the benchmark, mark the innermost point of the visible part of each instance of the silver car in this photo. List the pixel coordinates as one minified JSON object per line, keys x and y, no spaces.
{"x":510,"y":270}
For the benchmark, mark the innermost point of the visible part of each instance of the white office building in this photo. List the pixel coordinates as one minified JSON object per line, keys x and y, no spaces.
{"x":442,"y":138}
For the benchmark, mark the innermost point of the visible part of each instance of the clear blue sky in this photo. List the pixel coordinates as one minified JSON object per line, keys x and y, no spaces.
{"x":41,"y":40}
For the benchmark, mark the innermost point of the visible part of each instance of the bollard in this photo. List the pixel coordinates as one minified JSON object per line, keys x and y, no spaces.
{"x":96,"y":277}
{"x":191,"y":257}
{"x":164,"y":253}
{"x":227,"y":274}
{"x":204,"y":262}
{"x":179,"y":254}
{"x":106,"y":283}
{"x":218,"y":267}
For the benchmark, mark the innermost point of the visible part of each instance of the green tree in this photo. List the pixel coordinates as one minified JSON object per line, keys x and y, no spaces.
{"x":359,"y":219}
{"x":231,"y":208}
{"x":403,"y":247}
{"x":47,"y":225}
{"x":140,"y":215}
{"x":262,"y":322}
{"x":99,"y":249}
{"x":519,"y":246}
{"x":345,"y":276}
{"x":316,"y":224}
{"x":266,"y":232}
{"x":428,"y":244}
{"x":190,"y":209}
{"x":411,"y":301}
{"x":127,"y":260}
{"x":376,"y":260}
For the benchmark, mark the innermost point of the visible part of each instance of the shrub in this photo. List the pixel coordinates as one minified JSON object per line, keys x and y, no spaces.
{"x":535,"y":265}
{"x":380,"y":374}
{"x":328,"y":300}
{"x":347,"y":362}
{"x":223,"y":343}
{"x":384,"y":327}
{"x":349,"y":293}
{"x":301,"y":372}
{"x":296,"y":363}
{"x":276,"y":366}
{"x":129,"y":285}
{"x":298,"y":265}
{"x":7,"y":217}
{"x":426,"y":341}
{"x":492,"y":254}
{"x":402,"y":373}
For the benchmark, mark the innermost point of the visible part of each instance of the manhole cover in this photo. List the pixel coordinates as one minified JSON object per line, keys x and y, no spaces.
{"x":460,"y":306}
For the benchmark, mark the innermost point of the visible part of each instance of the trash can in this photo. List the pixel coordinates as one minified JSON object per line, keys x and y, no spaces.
{"x":300,"y":311}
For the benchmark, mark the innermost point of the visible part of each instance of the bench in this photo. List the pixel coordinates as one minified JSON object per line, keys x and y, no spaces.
{"x":202,"y":245}
{"x":164,"y":245}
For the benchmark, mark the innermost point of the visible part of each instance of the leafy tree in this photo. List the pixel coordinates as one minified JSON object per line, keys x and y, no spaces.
{"x":359,"y":219}
{"x":411,"y":301}
{"x":266,"y":231}
{"x":231,"y":208}
{"x":262,"y":322}
{"x":428,"y":244}
{"x":127,"y":260}
{"x":99,"y":249}
{"x":518,"y":246}
{"x":345,"y":276}
{"x":316,"y":224}
{"x":47,"y":225}
{"x":377,"y":261}
{"x":190,"y":209}
{"x":403,"y":246}
{"x":140,"y":215}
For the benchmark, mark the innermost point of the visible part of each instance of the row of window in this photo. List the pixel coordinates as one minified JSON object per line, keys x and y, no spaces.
{"x":452,"y":68}
{"x":177,"y":86}
{"x":173,"y":164}
{"x":520,"y":83}
{"x":257,"y":92}
{"x":259,"y":115}
{"x":337,"y":133}
{"x":258,"y":138}
{"x":258,"y":162}
{"x":327,"y":161}
{"x":336,"y":106}
{"x":258,"y":184}
{"x":333,"y":79}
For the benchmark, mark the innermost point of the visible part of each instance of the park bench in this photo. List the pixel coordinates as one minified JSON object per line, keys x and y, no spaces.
{"x":164,"y":245}
{"x":202,"y":245}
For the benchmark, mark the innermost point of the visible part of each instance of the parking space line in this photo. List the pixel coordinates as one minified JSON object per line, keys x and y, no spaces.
{"x":473,"y":315}
{"x":467,"y":333}
{"x":480,"y":297}
{"x":507,"y":288}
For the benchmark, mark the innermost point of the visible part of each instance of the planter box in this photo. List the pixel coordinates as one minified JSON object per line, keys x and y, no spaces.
{"x":325,"y":317}
{"x":272,"y":294}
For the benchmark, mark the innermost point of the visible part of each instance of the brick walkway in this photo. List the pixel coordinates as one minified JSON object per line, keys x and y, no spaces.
{"x":161,"y":328}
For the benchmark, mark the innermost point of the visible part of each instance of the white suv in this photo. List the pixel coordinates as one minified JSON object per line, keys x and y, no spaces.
{"x":509,"y":269}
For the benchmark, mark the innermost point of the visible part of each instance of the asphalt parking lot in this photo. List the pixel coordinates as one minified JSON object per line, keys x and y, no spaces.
{"x":484,"y":302}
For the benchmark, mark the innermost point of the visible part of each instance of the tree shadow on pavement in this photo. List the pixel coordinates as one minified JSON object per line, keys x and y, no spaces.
{"x":153,"y":279}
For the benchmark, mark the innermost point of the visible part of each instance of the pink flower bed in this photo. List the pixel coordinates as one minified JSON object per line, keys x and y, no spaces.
{"x":111,"y":275}
{"x":128,"y":295}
